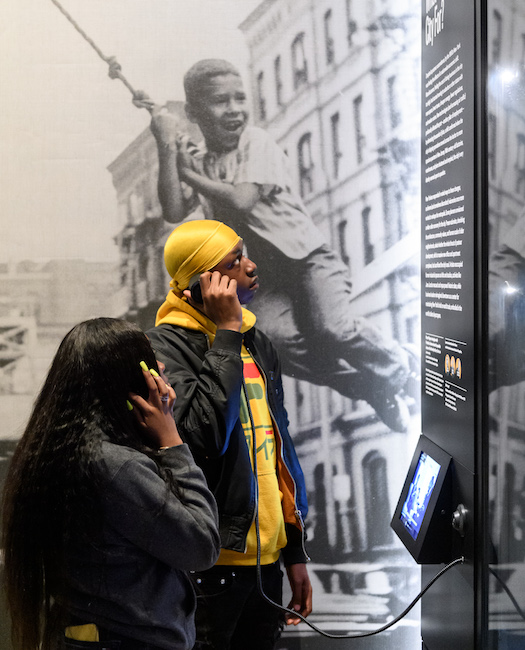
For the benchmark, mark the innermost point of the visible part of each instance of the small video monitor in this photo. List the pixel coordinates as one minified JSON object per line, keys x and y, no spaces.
{"x":423,"y":517}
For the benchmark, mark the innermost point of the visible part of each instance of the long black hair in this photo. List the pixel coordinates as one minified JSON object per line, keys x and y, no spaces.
{"x":49,"y":496}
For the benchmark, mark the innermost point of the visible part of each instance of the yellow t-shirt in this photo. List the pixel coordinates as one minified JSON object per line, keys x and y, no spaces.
{"x":271,"y":520}
{"x":87,"y":632}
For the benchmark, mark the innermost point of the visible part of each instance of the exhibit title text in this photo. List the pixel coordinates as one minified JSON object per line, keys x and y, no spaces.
{"x":435,"y":21}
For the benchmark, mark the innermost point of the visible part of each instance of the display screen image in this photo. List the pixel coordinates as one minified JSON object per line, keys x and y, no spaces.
{"x":419,"y":493}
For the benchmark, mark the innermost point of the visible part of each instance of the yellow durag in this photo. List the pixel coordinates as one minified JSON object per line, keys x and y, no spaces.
{"x":192,"y":248}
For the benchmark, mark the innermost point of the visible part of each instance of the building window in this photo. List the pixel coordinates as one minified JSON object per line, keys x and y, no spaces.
{"x":143,"y":265}
{"x":492,"y":144}
{"x":147,"y":198}
{"x":497,"y":23}
{"x":393,"y":102}
{"x":328,"y":38}
{"x":358,"y":127}
{"x":308,"y":405}
{"x":133,"y":299}
{"x":159,"y":271}
{"x":299,"y":62}
{"x":306,"y":165}
{"x":342,"y":228}
{"x":412,"y":329}
{"x":277,"y":67}
{"x":135,"y":209}
{"x":336,"y":144}
{"x":400,"y":216}
{"x":520,"y":165}
{"x":351,"y":25}
{"x":376,"y":499}
{"x":368,"y":247}
{"x":260,"y":96}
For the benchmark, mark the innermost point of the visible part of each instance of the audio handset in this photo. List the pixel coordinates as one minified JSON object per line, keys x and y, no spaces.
{"x":195,"y":289}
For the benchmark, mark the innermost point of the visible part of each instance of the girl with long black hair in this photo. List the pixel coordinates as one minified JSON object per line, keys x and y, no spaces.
{"x":104,"y":508}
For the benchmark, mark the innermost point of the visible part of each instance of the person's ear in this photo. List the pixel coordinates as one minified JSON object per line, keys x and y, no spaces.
{"x":191,"y":112}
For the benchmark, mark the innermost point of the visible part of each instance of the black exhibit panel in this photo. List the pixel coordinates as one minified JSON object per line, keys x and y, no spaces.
{"x":452,"y":215}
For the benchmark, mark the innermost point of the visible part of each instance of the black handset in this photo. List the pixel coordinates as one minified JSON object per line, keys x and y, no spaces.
{"x":196,"y":292}
{"x":195,"y":289}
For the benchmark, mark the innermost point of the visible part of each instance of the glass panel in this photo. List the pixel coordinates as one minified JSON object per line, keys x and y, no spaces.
{"x":506,"y":178}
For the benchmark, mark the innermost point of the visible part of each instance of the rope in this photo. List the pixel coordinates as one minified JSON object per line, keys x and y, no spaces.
{"x":115,"y":70}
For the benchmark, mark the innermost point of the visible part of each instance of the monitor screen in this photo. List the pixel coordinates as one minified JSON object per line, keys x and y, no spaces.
{"x":423,"y":516}
{"x":419,"y":493}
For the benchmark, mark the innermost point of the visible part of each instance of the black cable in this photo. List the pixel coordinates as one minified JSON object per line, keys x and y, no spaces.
{"x":391,"y":623}
{"x":286,"y":610}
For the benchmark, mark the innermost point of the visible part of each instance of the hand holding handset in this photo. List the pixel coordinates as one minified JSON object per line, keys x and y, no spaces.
{"x":215,"y":295}
{"x":155,"y":413}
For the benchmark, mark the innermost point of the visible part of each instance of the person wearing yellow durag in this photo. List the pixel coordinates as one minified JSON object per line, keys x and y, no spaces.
{"x":230,"y":411}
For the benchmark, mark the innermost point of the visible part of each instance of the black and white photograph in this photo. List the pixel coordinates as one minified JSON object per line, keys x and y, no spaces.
{"x":111,"y":140}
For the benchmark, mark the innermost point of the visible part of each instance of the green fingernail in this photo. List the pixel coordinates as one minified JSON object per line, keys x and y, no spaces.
{"x":144,"y":366}
{"x":129,"y":405}
{"x":154,"y":372}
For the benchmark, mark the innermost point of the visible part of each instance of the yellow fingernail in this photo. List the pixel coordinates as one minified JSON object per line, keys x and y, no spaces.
{"x":144,"y":366}
{"x":129,"y":405}
{"x":154,"y":372}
